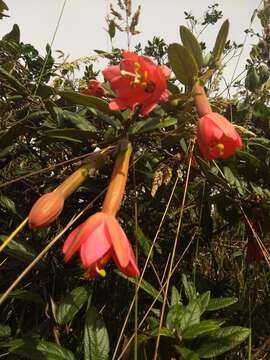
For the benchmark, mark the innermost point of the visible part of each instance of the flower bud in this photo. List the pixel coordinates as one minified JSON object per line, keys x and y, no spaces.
{"x":46,"y":209}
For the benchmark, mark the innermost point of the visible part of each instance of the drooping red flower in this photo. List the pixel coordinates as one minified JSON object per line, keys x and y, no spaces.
{"x":94,"y":88}
{"x":101,"y":237}
{"x":217,"y":137}
{"x":98,"y":239}
{"x":137,"y":81}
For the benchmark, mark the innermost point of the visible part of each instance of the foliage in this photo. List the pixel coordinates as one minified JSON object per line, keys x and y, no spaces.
{"x":47,"y":128}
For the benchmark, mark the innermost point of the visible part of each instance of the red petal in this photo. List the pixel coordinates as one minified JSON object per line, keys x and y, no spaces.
{"x":69,"y":241}
{"x":119,"y":242}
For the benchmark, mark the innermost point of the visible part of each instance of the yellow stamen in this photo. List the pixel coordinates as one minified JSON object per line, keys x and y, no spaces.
{"x":101,"y":272}
{"x":137,"y":66}
{"x":127,"y":73}
{"x":220,"y":147}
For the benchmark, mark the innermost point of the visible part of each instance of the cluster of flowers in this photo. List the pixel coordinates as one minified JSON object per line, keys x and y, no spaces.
{"x":137,"y":82}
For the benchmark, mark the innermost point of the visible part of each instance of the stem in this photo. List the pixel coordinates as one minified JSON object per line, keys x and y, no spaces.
{"x":116,"y":189}
{"x":201,"y":101}
{"x":72,"y":183}
{"x":13,"y":234}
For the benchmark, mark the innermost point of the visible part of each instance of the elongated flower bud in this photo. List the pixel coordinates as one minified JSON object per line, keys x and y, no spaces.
{"x":49,"y":206}
{"x":201,"y":101}
{"x":46,"y":209}
{"x":72,"y":183}
{"x":115,"y":192}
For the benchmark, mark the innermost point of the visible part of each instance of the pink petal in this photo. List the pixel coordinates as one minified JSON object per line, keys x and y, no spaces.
{"x":96,"y":246}
{"x":69,"y":241}
{"x":75,"y":242}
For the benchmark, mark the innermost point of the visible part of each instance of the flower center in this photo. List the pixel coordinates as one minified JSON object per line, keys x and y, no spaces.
{"x":221,"y":148}
{"x":139,"y":79}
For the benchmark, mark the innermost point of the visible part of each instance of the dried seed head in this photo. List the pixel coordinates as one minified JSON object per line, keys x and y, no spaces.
{"x":135,"y":21}
{"x":128,"y":7}
{"x":115,"y":13}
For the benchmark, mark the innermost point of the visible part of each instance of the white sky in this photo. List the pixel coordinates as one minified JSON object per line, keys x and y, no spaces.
{"x":82,"y":26}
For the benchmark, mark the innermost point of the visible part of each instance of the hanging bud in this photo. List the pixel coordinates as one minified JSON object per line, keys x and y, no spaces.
{"x":49,"y":206}
{"x":46,"y":209}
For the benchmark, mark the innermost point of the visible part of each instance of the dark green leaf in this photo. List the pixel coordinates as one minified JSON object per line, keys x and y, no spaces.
{"x":13,"y":35}
{"x":146,"y":286}
{"x":72,"y":135}
{"x":191,"y":43}
{"x":189,"y":288}
{"x":183,"y":64}
{"x":89,"y":101}
{"x":96,"y":340}
{"x":186,"y":353}
{"x":70,"y":305}
{"x":8,"y":204}
{"x":5,"y":330}
{"x":202,"y":328}
{"x":77,"y":120}
{"x":220,"y":303}
{"x":20,"y":250}
{"x":191,"y":315}
{"x":175,"y":296}
{"x":13,"y":81}
{"x":27,"y":295}
{"x":36,"y":349}
{"x":229,"y":175}
{"x":144,"y":242}
{"x":203,"y":301}
{"x":220,"y":41}
{"x":222,"y":340}
{"x":152,"y":124}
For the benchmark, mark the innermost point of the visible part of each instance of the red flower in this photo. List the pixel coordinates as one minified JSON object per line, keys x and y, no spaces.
{"x":98,"y":239}
{"x":217,"y":137}
{"x":94,"y":88}
{"x":137,"y":81}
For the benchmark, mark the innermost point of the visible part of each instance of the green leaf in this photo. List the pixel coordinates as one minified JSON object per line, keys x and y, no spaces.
{"x":8,"y":203}
{"x":89,"y":101}
{"x":13,"y":35}
{"x":191,"y":315}
{"x":222,"y":340}
{"x":20,"y":250}
{"x":36,"y":349}
{"x":202,"y":328}
{"x":220,"y":303}
{"x":27,"y":295}
{"x":191,"y":43}
{"x":203,"y":301}
{"x":186,"y":353}
{"x":175,"y":296}
{"x":70,"y":305}
{"x":5,"y":330}
{"x":146,"y":286}
{"x":220,"y":41}
{"x":163,"y":332}
{"x":96,"y":339}
{"x":174,"y":316}
{"x":144,"y":242}
{"x":229,"y":175}
{"x":189,"y":288}
{"x":152,"y":124}
{"x":13,"y":81}
{"x":77,"y":120}
{"x":69,"y":134}
{"x":183,"y":64}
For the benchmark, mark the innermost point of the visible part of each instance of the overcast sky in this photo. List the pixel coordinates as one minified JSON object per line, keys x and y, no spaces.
{"x":82,"y":26}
